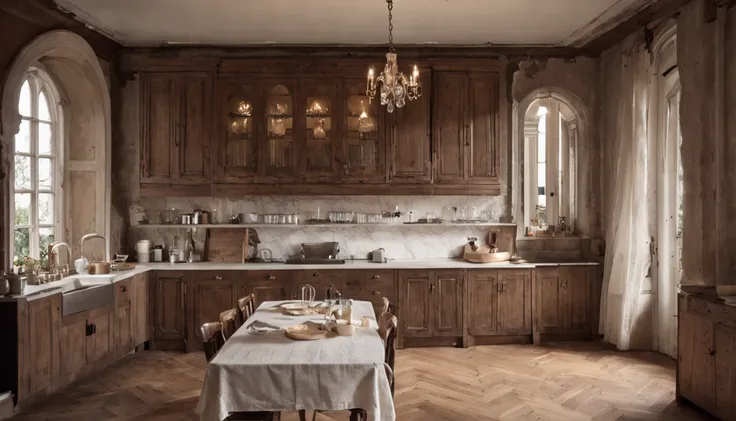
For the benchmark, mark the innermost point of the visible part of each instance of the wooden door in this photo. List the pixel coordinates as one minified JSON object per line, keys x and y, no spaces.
{"x":514,"y":302}
{"x":170,"y":317}
{"x":409,"y":132}
{"x":450,"y":130}
{"x":482,"y":151}
{"x":725,"y":372}
{"x":194,"y":95}
{"x":482,"y":302}
{"x":211,"y":298}
{"x":363,"y":138}
{"x":140,"y":334}
{"x":415,"y":312}
{"x":447,"y":303}
{"x":98,"y":343}
{"x":44,"y":325}
{"x":575,"y":283}
{"x":280,"y":150}
{"x":73,"y":349}
{"x":159,"y":134}
{"x":548,"y":316}
{"x":123,"y":316}
{"x":696,"y":369}
{"x":320,"y":129}
{"x":237,"y":144}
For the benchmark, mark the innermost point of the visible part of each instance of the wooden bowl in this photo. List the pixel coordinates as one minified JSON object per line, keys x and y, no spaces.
{"x":304,"y":332}
{"x":474,"y":257}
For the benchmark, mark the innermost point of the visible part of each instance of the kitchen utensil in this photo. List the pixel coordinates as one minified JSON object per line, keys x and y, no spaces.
{"x":200,"y":216}
{"x":473,"y":213}
{"x":172,"y":216}
{"x":16,"y":283}
{"x":378,"y":255}
{"x":308,"y":293}
{"x":173,"y":255}
{"x":158,"y":254}
{"x":81,"y":265}
{"x":486,"y":215}
{"x":186,"y":218}
{"x":326,"y":250}
{"x":461,"y":214}
{"x":448,"y":214}
{"x":4,"y":285}
{"x":248,"y":218}
{"x":99,"y":268}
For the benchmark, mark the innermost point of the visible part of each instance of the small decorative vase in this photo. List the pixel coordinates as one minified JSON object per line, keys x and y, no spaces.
{"x":4,"y":285}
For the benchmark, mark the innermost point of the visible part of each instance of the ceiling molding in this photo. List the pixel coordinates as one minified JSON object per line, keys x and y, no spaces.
{"x":656,"y":10}
{"x":612,"y":17}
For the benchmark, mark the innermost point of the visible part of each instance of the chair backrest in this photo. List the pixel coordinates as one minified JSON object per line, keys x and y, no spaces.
{"x":385,"y":304}
{"x":388,"y":335}
{"x":332,"y":293}
{"x":246,"y":308}
{"x":212,"y":339}
{"x":227,"y":318}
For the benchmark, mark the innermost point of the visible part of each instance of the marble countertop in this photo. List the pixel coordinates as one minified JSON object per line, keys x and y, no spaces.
{"x":34,"y":292}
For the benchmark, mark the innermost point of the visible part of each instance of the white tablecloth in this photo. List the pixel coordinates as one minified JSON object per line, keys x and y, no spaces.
{"x":270,"y":372}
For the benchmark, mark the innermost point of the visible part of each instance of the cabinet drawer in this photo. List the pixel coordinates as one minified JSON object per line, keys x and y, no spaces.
{"x":217,"y":275}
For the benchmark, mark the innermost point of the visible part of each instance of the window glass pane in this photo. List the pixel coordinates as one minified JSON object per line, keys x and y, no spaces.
{"x":43,"y":107}
{"x":24,"y":103}
{"x":22,"y":171}
{"x":45,"y":208}
{"x":44,"y":139}
{"x":542,"y":201}
{"x":45,"y":237}
{"x":542,"y":175}
{"x":21,"y":243}
{"x":23,"y":138}
{"x":542,"y":125}
{"x":22,"y":209}
{"x":45,"y":174}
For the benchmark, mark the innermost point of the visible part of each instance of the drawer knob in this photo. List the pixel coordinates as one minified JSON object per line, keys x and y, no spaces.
{"x":375,"y":276}
{"x":218,"y":278}
{"x":123,"y":288}
{"x":270,"y":277}
{"x":376,"y":292}
{"x":316,"y":274}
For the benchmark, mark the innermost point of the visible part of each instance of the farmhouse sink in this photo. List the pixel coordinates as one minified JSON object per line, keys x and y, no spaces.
{"x":85,"y":297}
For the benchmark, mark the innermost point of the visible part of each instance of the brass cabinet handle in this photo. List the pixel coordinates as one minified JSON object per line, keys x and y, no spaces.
{"x":123,"y":288}
{"x":316,"y":274}
{"x":376,"y":292}
{"x":218,"y":278}
{"x":375,"y":276}
{"x":270,"y":277}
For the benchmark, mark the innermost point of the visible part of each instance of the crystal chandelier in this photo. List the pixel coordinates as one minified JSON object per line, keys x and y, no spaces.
{"x":395,"y":87}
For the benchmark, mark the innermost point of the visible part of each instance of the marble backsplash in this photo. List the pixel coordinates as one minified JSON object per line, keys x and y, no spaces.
{"x":400,"y":241}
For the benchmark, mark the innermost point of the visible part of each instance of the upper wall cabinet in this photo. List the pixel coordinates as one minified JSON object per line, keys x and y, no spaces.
{"x":175,"y":127}
{"x":363,"y":144}
{"x":237,"y":149}
{"x":320,"y":132}
{"x":466,"y":135}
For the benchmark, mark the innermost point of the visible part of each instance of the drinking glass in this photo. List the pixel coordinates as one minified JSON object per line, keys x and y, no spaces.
{"x":462,"y":213}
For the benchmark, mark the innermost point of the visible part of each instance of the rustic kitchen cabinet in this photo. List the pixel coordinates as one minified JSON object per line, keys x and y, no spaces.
{"x":267,"y":285}
{"x":320,"y":130}
{"x":212,"y":293}
{"x":170,"y":327}
{"x":364,"y":152}
{"x":499,"y":305}
{"x":238,"y":147}
{"x":466,"y":136}
{"x":41,"y":360}
{"x":431,"y":304}
{"x":373,"y":286}
{"x":706,"y":364}
{"x":85,"y":339}
{"x":280,"y":146}
{"x":123,"y":299}
{"x":141,"y":309}
{"x":176,"y":112}
{"x":564,"y":302}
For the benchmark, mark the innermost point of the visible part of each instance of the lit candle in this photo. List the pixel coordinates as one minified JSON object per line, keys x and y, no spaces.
{"x":370,"y":78}
{"x":416,"y":75}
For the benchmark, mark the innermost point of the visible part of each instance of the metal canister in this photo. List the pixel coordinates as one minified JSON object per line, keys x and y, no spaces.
{"x":186,"y":218}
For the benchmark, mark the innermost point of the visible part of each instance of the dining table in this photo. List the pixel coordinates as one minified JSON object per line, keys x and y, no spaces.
{"x":256,"y":371}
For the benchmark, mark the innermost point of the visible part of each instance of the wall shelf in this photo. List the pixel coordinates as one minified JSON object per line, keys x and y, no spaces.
{"x":294,"y":226}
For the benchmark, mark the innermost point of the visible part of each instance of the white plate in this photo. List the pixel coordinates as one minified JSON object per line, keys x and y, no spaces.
{"x":294,"y":306}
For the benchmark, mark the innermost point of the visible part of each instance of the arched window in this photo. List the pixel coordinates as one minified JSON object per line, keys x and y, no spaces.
{"x":37,"y":169}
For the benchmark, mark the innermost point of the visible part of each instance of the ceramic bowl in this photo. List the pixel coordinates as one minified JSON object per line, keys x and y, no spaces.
{"x":344,"y":329}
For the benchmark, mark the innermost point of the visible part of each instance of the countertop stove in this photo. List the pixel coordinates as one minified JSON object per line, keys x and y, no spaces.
{"x":315,"y":261}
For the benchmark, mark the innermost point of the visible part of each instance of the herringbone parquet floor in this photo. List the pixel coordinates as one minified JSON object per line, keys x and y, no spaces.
{"x":571,"y":382}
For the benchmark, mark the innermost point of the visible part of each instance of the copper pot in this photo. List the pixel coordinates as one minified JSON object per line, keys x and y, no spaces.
{"x":99,"y":268}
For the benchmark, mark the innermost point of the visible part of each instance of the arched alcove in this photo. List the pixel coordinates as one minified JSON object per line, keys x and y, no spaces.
{"x":85,"y":100}
{"x":580,"y":115}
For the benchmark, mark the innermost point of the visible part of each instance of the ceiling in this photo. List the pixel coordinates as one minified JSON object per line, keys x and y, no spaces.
{"x":442,"y":22}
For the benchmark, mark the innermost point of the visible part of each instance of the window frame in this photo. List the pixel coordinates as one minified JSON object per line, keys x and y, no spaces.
{"x":39,"y":82}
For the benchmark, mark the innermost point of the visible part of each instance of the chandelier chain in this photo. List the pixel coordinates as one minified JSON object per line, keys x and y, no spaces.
{"x":390,"y":25}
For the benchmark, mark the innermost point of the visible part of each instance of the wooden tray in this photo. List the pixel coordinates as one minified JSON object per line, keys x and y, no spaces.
{"x":304,"y":332}
{"x":474,"y":257}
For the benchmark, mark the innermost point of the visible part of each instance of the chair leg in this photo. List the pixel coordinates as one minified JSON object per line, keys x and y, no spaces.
{"x":302,"y":415}
{"x":314,"y":415}
{"x":358,"y":415}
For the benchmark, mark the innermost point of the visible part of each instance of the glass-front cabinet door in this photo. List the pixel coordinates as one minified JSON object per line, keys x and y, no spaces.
{"x":362,"y":143}
{"x":321,"y":128}
{"x":280,"y":152}
{"x":239,"y":152}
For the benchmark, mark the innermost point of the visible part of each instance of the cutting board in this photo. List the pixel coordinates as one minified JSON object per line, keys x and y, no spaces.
{"x":504,"y":238}
{"x":226,"y":245}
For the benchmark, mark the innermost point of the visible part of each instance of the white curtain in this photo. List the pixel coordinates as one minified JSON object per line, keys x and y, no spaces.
{"x":624,"y":135}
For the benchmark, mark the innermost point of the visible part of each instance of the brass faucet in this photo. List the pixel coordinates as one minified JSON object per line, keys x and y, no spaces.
{"x":54,"y":257}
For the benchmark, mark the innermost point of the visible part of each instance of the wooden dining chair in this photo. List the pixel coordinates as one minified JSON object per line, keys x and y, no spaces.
{"x":246,"y":308}
{"x":385,"y":304}
{"x":391,"y":328}
{"x":212,"y":339}
{"x":228,"y":321}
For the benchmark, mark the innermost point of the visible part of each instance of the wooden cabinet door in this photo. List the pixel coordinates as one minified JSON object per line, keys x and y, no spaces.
{"x":170,"y":317}
{"x":373,"y":286}
{"x":482,"y":143}
{"x":98,"y":343}
{"x":450,"y":130}
{"x":514,"y":302}
{"x":279,"y":151}
{"x":320,"y":130}
{"x":408,"y":132}
{"x":140,"y":334}
{"x":211,"y":298}
{"x":575,"y":283}
{"x":482,"y":302}
{"x":194,"y":96}
{"x":44,"y":324}
{"x":159,"y":134}
{"x":123,"y":316}
{"x":725,"y":372}
{"x":269,"y":286}
{"x":415,"y":312}
{"x":363,"y":138}
{"x":237,"y":148}
{"x":447,"y":300}
{"x":549,"y":303}
{"x":696,"y":368}
{"x":73,"y":350}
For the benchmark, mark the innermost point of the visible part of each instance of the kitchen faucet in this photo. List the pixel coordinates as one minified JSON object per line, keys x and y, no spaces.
{"x":54,"y":257}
